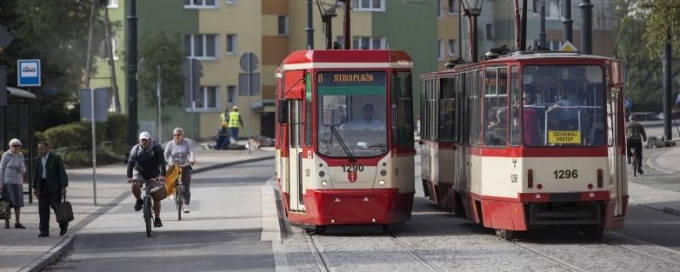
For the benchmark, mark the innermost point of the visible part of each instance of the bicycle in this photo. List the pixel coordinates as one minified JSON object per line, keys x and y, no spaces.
{"x":147,"y":199}
{"x":179,"y":189}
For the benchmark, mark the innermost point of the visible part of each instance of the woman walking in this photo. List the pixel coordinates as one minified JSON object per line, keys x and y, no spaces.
{"x":12,"y":169}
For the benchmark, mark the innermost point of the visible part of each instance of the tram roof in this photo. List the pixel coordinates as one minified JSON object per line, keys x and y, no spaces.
{"x":527,"y":56}
{"x":310,"y":59}
{"x":16,"y":92}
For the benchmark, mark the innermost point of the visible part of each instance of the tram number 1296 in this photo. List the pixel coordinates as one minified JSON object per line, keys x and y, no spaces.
{"x":566,"y":174}
{"x":353,"y":168}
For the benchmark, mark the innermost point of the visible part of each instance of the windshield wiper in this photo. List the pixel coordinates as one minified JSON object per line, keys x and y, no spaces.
{"x":342,"y":143}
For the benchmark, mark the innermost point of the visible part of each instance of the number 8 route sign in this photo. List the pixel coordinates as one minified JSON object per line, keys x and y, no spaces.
{"x":28,"y":73}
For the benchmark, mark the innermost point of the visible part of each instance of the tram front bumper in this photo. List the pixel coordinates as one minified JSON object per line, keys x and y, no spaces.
{"x":358,"y":207}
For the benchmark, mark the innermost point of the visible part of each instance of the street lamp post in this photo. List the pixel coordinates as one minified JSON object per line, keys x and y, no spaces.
{"x":473,"y":8}
{"x":327,"y":16}
{"x":346,"y":33}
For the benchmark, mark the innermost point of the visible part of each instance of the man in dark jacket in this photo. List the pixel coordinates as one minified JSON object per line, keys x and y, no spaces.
{"x":49,"y":185}
{"x":146,"y":161}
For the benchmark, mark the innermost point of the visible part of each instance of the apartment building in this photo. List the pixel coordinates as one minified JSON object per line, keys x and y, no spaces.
{"x":219,"y":32}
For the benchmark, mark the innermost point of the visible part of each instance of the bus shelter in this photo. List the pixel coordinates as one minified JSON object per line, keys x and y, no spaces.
{"x":17,"y":118}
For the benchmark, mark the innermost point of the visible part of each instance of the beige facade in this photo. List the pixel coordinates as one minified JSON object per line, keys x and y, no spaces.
{"x":448,"y":32}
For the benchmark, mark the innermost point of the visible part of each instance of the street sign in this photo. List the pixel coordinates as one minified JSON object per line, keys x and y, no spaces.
{"x":249,"y":62}
{"x":101,"y":104}
{"x":249,"y":84}
{"x":3,"y":86}
{"x":29,"y":73}
{"x":5,"y":38}
{"x":567,"y":47}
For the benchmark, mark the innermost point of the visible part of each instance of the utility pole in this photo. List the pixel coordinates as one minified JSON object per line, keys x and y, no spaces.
{"x":667,"y":131}
{"x":586,"y":26}
{"x":523,"y":34}
{"x":158,"y":94}
{"x":111,"y":62}
{"x":132,"y":72}
{"x":541,"y":36}
{"x":347,"y":38}
{"x":310,"y":26}
{"x":567,"y":21}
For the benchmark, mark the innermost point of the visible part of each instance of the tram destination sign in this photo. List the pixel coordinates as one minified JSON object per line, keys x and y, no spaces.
{"x":346,"y":83}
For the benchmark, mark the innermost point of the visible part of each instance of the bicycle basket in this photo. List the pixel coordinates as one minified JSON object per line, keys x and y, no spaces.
{"x":158,"y":191}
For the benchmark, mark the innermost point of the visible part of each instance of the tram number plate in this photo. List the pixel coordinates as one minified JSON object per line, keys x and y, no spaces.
{"x":353,"y":168}
{"x":566,"y":174}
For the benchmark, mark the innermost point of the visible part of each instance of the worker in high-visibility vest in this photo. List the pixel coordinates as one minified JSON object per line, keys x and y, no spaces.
{"x":224,"y":117}
{"x":234,"y":122}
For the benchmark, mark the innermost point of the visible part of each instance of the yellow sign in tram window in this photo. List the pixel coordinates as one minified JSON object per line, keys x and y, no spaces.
{"x":564,"y":137}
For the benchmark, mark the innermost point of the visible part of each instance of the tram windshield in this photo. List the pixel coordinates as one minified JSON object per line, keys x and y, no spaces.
{"x":351,"y":113}
{"x":563,"y":105}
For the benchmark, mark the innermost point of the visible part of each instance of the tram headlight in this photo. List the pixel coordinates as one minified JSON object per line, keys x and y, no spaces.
{"x":381,"y":182}
{"x":324,"y":183}
{"x":383,"y":173}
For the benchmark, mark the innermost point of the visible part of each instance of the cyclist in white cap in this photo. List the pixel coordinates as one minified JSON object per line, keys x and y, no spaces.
{"x":146,"y":161}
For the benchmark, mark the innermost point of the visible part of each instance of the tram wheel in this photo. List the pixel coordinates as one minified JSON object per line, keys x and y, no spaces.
{"x":505,"y":234}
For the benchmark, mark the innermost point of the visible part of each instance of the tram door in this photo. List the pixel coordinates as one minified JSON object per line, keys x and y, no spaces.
{"x":617,"y":163}
{"x":295,"y":132}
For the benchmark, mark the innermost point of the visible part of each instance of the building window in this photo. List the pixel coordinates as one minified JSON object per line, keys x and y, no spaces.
{"x":368,"y":5}
{"x":231,"y":44}
{"x":340,"y":40}
{"x":283,"y":25}
{"x":201,"y":3}
{"x":207,"y":98}
{"x":452,"y":7}
{"x":452,"y":48}
{"x":368,"y":43}
{"x":201,"y":46}
{"x":112,"y":4}
{"x":231,"y":94}
{"x":230,"y":2}
{"x":489,"y":31}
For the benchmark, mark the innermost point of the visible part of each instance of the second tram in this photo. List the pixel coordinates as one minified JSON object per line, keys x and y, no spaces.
{"x":344,"y":137}
{"x":527,"y":140}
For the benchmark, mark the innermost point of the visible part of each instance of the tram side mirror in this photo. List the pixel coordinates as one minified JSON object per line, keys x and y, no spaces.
{"x":283,"y":111}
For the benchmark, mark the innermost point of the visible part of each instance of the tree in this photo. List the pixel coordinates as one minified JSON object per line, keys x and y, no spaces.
{"x":642,"y":65}
{"x":663,"y":18}
{"x":56,"y":32}
{"x":161,"y":49}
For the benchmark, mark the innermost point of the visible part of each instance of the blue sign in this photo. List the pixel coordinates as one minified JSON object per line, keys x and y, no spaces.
{"x":28,"y":73}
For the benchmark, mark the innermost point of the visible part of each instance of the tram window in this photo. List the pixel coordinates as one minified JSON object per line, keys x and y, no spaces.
{"x":446,"y":109}
{"x":568,"y":105}
{"x":308,"y":110}
{"x":496,"y":110}
{"x":405,"y":110}
{"x":516,"y":102}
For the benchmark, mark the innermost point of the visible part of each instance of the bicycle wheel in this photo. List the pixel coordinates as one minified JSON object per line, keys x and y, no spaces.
{"x":178,"y":202}
{"x":147,"y":215}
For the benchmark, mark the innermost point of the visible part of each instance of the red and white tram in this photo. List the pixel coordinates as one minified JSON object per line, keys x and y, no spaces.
{"x":527,"y":140}
{"x":344,"y":137}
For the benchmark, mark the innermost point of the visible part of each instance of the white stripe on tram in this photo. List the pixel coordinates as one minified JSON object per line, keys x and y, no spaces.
{"x":343,"y":65}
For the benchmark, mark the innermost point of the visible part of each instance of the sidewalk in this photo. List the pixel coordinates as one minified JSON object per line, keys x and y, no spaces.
{"x":667,"y":161}
{"x":23,"y":250}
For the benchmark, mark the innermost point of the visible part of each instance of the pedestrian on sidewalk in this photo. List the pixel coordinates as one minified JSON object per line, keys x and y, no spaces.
{"x":180,"y":152}
{"x":146,"y":161}
{"x":49,"y":186}
{"x":12,"y":169}
{"x":234,"y":122}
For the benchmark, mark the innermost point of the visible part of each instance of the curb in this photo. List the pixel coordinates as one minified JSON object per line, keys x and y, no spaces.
{"x":652,"y":162}
{"x":66,"y":244}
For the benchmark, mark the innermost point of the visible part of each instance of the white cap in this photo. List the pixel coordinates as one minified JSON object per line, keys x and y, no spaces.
{"x":14,"y":141}
{"x":144,"y":135}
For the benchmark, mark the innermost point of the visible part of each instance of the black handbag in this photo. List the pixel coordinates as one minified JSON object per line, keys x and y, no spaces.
{"x":4,"y":207}
{"x":65,"y":211}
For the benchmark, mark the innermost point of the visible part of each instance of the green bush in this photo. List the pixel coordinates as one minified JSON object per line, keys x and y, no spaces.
{"x":73,"y":141}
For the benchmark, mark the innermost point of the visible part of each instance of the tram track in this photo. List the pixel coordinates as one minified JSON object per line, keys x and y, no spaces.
{"x":639,"y":252}
{"x":412,"y":252}
{"x":324,"y":264}
{"x":559,"y":262}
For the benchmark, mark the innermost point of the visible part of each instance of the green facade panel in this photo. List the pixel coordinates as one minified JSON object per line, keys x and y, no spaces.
{"x":414,"y":29}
